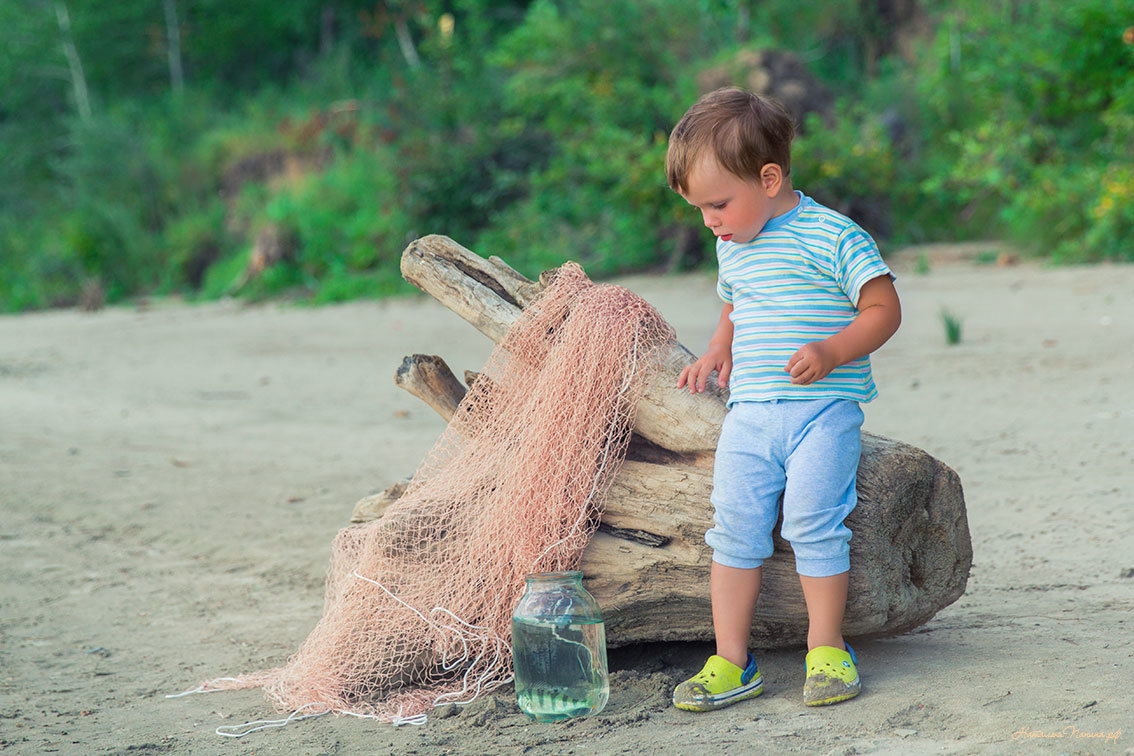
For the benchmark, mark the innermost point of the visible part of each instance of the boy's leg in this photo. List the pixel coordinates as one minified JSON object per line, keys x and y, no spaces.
{"x":826,"y":599}
{"x":734,"y":592}
{"x":747,"y":481}
{"x":748,"y":478}
{"x":831,"y":666}
{"x":731,"y":675}
{"x":820,"y":493}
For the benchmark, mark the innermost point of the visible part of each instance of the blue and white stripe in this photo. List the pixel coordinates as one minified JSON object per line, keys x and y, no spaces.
{"x":798,"y":281}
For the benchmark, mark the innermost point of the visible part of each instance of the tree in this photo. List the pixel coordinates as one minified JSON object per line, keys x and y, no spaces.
{"x":74,"y":62}
{"x":173,"y":35}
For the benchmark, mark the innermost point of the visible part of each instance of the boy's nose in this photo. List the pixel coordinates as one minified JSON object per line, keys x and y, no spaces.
{"x":710,"y":221}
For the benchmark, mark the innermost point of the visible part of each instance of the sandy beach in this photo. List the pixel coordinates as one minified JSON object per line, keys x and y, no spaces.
{"x":172,"y":475}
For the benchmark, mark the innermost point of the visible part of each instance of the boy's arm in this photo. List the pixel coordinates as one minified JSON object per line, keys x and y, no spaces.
{"x":879,"y":315}
{"x":718,"y":357}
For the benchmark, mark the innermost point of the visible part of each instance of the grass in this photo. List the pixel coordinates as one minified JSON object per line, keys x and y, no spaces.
{"x":921,"y":267}
{"x":952,"y":325}
{"x":987,"y":257}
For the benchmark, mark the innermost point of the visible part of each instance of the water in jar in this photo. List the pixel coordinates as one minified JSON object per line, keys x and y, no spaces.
{"x":560,"y":667}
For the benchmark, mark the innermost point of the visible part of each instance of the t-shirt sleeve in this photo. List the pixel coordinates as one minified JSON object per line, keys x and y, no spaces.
{"x":724,"y":291}
{"x":857,"y":260}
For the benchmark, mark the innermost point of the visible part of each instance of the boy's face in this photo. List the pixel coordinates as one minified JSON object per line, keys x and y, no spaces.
{"x":733,"y":209}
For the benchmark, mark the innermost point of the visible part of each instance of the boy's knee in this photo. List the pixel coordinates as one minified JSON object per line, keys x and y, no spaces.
{"x":736,"y":550}
{"x":820,"y":541}
{"x":814,"y":523}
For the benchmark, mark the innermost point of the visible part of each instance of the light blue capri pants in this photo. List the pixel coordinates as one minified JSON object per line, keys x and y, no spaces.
{"x":807,"y":450}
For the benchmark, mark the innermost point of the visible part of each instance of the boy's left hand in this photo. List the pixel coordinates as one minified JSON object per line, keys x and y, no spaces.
{"x":813,"y":362}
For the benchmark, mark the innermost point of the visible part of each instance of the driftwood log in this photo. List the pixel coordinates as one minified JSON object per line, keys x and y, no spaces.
{"x":648,"y":566}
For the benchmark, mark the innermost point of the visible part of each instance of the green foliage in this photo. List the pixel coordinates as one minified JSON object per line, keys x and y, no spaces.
{"x":1082,"y":213}
{"x":850,"y":165}
{"x":33,"y":277}
{"x":34,"y":98}
{"x":249,"y":42}
{"x":952,"y":324}
{"x":535,"y":130}
{"x":836,"y":36}
{"x":453,"y":165}
{"x":348,"y":228}
{"x":921,"y":267}
{"x":116,"y":206}
{"x":601,"y":197}
{"x":1028,"y":120}
{"x":224,"y":277}
{"x":193,"y":242}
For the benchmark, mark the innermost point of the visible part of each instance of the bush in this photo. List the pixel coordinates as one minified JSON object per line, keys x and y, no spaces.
{"x":347,"y":222}
{"x":1027,"y":124}
{"x":850,"y":166}
{"x":606,"y":100}
{"x":33,"y":276}
{"x":536,"y":131}
{"x":193,"y":242}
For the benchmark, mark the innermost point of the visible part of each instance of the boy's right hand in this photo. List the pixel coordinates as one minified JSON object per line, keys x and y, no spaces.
{"x":718,"y":358}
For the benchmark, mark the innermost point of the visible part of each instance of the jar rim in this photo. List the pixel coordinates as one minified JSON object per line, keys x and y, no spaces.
{"x":563,"y":575}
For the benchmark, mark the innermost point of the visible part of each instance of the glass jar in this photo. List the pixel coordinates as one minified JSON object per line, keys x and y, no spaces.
{"x":559,"y":649}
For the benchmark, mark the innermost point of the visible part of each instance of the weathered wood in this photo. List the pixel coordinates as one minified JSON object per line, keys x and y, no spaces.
{"x":648,"y":566}
{"x":491,"y":299}
{"x":910,"y":553}
{"x":373,"y":507}
{"x":428,"y":378}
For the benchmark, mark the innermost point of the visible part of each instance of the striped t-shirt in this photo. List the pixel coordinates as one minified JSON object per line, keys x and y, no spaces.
{"x":798,"y":281}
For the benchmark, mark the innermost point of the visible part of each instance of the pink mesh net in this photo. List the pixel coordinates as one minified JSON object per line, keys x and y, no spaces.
{"x":418,"y":603}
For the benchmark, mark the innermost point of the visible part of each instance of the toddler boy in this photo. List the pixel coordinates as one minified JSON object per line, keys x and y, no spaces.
{"x":807,"y":298}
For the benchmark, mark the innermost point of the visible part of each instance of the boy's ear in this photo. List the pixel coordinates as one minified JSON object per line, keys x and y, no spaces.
{"x":771,"y":178}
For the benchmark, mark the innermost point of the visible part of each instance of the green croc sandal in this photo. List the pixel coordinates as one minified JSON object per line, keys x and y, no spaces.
{"x":720,"y":683}
{"x":831,"y":676}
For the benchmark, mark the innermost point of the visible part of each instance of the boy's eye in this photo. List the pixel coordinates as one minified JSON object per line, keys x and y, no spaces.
{"x":718,"y":206}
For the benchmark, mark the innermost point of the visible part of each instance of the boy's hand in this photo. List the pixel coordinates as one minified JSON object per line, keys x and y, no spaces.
{"x":879,"y":315}
{"x":813,"y":362}
{"x":718,"y":358}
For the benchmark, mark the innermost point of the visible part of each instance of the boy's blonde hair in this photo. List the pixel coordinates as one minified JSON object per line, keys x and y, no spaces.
{"x":743,"y":131}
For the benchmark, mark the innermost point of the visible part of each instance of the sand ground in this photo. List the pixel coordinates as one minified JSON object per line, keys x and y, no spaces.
{"x":171,"y":477}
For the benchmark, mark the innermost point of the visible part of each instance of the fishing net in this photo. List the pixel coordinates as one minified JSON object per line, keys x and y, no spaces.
{"x":418,"y":604}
